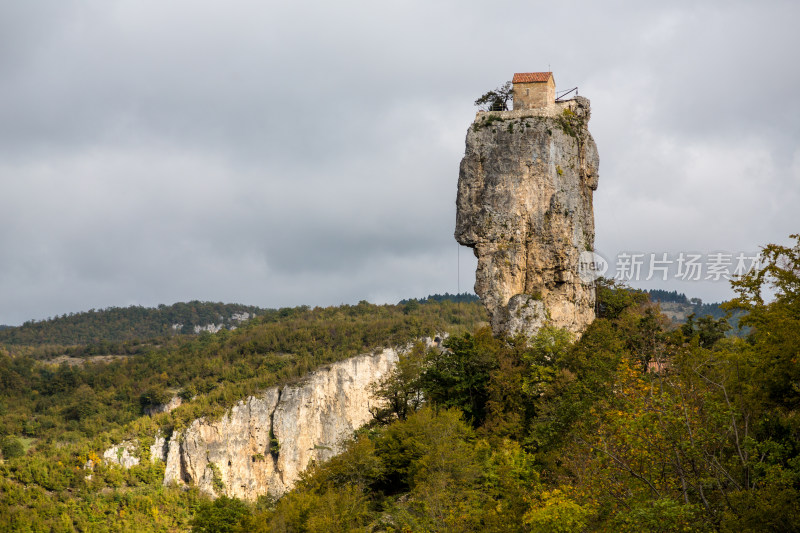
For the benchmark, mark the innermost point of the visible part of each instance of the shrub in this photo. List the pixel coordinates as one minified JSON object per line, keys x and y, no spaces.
{"x":11,"y":447}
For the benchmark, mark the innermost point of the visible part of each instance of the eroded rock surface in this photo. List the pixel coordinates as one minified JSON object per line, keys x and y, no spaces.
{"x":123,"y":454}
{"x":264,"y":442}
{"x":525,"y":207}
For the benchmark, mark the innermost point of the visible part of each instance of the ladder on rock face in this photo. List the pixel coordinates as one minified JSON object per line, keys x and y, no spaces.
{"x":565,"y":93}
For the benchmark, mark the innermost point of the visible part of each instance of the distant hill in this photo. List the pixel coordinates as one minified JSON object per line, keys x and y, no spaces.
{"x":119,"y":324}
{"x":677,"y":306}
{"x":446,"y":297}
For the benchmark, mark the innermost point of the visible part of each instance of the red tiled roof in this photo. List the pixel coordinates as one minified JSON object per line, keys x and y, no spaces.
{"x":531,"y":77}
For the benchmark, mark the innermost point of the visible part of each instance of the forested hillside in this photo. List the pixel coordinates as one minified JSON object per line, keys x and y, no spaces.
{"x":54,"y":418}
{"x":638,"y":426}
{"x":119,"y":324}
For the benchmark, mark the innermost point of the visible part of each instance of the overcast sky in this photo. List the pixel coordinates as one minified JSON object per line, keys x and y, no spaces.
{"x":288,"y":153}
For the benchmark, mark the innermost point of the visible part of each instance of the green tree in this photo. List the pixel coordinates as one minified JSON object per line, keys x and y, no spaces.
{"x":459,"y":375}
{"x":555,"y":512}
{"x":400,"y":393}
{"x":223,"y":515}
{"x":496,"y":100}
{"x":11,"y":447}
{"x":775,"y":333}
{"x":154,"y":395}
{"x":613,"y":297}
{"x":710,"y":331}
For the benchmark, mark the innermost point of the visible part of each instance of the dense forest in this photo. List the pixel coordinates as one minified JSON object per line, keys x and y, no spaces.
{"x":446,"y":297}
{"x":658,"y":295}
{"x":639,"y":425}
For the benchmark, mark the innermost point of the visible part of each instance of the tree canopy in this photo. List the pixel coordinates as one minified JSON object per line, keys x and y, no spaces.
{"x":497,"y":99}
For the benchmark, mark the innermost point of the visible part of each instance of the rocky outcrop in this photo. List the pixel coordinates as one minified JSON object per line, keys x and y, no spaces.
{"x":173,"y":403}
{"x":261,"y":445}
{"x":525,"y":207}
{"x":123,"y":454}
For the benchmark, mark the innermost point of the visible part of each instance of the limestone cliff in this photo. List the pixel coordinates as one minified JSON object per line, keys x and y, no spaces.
{"x":525,"y":207}
{"x":263,"y":443}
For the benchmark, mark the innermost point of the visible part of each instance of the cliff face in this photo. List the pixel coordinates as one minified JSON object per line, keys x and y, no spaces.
{"x":525,"y":207}
{"x":263,"y":443}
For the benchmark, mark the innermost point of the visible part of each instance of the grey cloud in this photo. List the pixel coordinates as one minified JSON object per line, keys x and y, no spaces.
{"x":281,"y":153}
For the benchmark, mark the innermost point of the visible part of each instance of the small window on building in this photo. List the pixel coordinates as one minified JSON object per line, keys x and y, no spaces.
{"x":527,"y":92}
